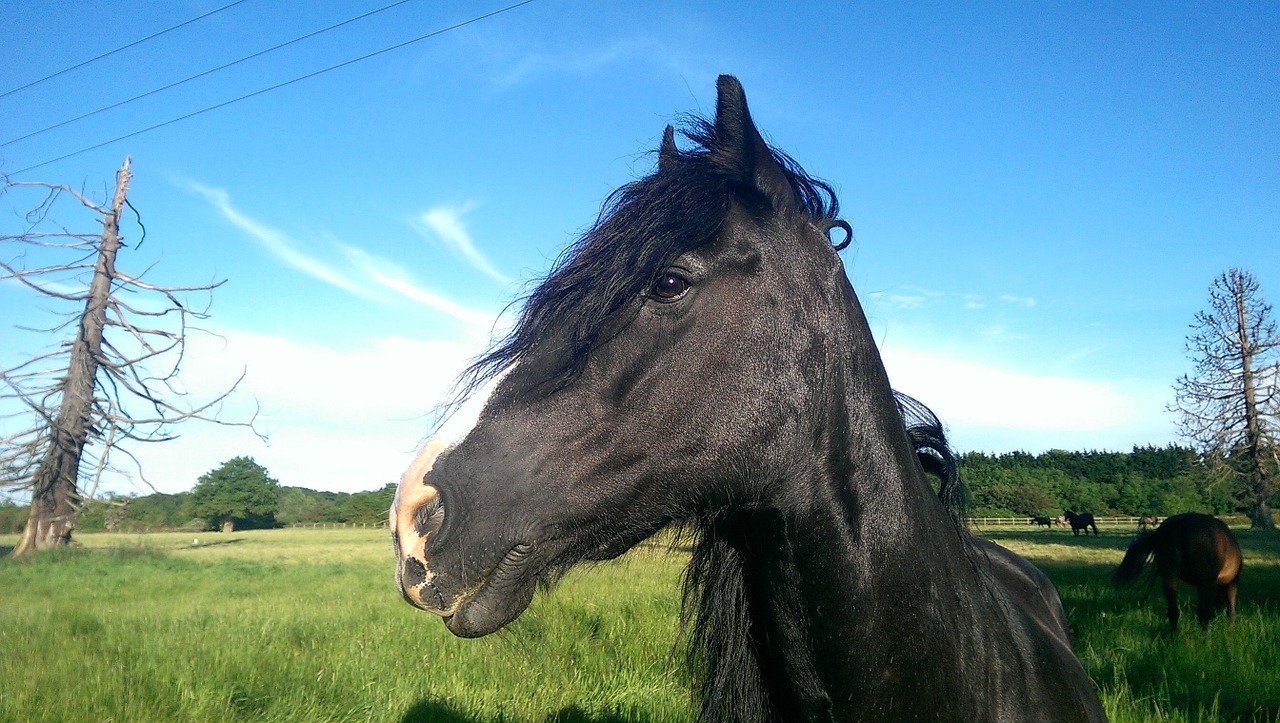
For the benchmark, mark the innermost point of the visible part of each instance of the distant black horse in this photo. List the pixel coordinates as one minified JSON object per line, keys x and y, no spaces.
{"x":699,"y":358}
{"x":1041,"y":521}
{"x":1081,"y":521}
{"x":1196,"y":548}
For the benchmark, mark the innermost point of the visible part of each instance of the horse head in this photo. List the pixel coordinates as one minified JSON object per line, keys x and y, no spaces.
{"x":698,"y":356}
{"x":667,"y":368}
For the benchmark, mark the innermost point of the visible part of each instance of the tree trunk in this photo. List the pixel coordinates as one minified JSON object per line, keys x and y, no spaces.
{"x":1260,"y":510}
{"x":1260,"y":516}
{"x":55,"y":495}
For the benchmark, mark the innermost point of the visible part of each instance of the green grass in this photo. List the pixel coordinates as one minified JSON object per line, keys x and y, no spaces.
{"x":1230,"y":672}
{"x":304,"y":625}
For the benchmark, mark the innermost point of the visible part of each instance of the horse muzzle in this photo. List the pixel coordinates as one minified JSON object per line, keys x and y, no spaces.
{"x":416,"y":515}
{"x":493,"y":596}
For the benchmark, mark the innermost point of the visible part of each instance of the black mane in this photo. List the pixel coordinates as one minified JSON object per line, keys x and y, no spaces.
{"x":642,"y":228}
{"x":929,"y":439}
{"x":718,"y":594}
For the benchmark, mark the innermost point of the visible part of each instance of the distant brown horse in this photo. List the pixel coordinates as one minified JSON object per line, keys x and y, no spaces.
{"x":1193,"y":547}
{"x":1146,"y":523}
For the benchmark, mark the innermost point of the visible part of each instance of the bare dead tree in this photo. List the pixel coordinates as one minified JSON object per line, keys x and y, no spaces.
{"x":1229,"y":406}
{"x":113,"y":383}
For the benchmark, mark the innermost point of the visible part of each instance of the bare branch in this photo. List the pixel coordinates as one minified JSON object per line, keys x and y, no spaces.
{"x":1228,"y":407}
{"x":113,"y":383}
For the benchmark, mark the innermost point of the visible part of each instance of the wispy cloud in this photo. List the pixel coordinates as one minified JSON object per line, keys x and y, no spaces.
{"x":375,"y":276}
{"x":916,"y":298}
{"x":904,"y":301}
{"x":444,"y":225}
{"x":1024,"y":301}
{"x":1002,"y":333}
{"x":907,"y":298}
{"x":583,"y":61}
{"x":393,"y":277}
{"x":278,"y":243}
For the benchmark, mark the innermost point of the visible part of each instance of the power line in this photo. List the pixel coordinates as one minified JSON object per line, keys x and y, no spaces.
{"x":203,"y":74}
{"x":122,"y":47}
{"x":277,"y":86}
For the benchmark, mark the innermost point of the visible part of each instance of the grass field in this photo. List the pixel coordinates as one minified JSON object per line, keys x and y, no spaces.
{"x":304,"y":625}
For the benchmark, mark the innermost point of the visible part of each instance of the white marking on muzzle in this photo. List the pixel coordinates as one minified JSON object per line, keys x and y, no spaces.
{"x":412,"y":493}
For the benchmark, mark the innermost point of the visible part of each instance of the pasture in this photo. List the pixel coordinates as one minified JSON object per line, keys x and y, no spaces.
{"x":292,"y":625}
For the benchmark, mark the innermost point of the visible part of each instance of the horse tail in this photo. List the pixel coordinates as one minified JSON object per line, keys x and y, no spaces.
{"x":929,"y":440}
{"x":1135,"y":558}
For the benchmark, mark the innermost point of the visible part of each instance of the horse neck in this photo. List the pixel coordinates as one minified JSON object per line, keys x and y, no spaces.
{"x":847,"y":559}
{"x":831,"y":601}
{"x":871,"y":479}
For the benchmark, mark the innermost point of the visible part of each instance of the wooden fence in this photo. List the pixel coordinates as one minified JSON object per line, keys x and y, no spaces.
{"x":338,"y":525}
{"x":1026,"y":522}
{"x":973,"y":522}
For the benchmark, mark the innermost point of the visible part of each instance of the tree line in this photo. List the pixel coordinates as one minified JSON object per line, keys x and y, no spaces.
{"x":1146,"y":481}
{"x":239,"y":494}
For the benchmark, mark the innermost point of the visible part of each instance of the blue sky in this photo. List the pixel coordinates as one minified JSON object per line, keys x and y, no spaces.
{"x":1041,"y":193}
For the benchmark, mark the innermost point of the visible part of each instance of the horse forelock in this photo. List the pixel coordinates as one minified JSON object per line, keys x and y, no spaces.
{"x":642,"y":228}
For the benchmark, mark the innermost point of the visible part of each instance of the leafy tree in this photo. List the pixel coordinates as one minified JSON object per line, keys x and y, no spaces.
{"x":240,"y":492}
{"x":298,"y":505}
{"x":1229,"y":406}
{"x":371,"y":507}
{"x":12,"y":517}
{"x":154,"y":512}
{"x":1150,"y":480}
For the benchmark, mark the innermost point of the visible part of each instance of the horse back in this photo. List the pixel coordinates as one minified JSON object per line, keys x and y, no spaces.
{"x":1206,"y":550}
{"x":1229,"y":554}
{"x":1036,"y":627}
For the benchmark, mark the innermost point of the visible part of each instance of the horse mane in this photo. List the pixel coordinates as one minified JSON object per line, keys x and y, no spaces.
{"x":715,"y":621}
{"x":596,"y":283}
{"x":717,"y":594}
{"x":929,"y":439}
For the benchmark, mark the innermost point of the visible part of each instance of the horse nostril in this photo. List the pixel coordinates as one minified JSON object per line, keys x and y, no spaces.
{"x":429,"y":517}
{"x":417,"y":513}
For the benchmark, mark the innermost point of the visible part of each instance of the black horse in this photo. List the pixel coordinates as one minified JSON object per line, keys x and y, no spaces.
{"x":1196,"y":548}
{"x":1081,"y":521}
{"x":1040,"y":521}
{"x":698,"y":357}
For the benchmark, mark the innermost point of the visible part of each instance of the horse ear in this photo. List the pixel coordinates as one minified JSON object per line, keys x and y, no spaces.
{"x":744,"y":151}
{"x":667,"y":152}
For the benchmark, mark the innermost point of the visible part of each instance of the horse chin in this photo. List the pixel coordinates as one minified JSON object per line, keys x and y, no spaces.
{"x":500,"y":599}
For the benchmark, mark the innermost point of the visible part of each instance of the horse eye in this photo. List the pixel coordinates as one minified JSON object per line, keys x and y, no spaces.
{"x":670,"y":287}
